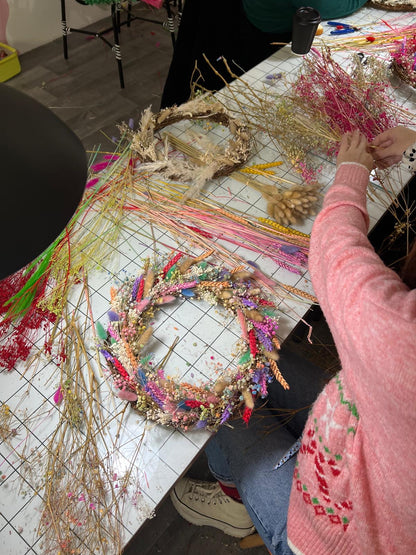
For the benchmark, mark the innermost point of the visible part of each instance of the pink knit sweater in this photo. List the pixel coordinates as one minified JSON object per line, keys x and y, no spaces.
{"x":354,"y":488}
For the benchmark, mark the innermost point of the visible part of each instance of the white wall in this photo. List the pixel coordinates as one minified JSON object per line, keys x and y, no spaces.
{"x":31,"y":23}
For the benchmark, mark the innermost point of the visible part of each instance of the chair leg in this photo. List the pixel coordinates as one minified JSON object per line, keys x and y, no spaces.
{"x":64,"y":29}
{"x":118,"y":14}
{"x":179,"y":13}
{"x":170,"y":23}
{"x":116,"y":48}
{"x":129,"y":13}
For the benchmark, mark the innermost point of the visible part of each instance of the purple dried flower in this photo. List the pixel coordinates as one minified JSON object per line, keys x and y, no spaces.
{"x":135,"y":288}
{"x":249,"y":303}
{"x":226,"y":414}
{"x":113,"y":316}
{"x":264,"y":340}
{"x":289,"y":249}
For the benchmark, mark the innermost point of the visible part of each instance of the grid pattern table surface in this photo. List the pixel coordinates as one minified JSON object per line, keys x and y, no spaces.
{"x":206,"y":336}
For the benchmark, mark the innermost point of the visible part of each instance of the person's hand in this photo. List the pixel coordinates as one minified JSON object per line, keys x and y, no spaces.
{"x":388,"y":147}
{"x":354,"y":148}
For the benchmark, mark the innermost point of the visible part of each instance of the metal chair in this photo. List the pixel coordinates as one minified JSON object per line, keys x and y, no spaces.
{"x":117,"y":10}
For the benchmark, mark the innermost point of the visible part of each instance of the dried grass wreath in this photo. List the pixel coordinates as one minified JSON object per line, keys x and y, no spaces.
{"x":214,"y":164}
{"x":393,"y":5}
{"x":403,"y":63}
{"x":152,"y":391}
{"x":407,"y":75}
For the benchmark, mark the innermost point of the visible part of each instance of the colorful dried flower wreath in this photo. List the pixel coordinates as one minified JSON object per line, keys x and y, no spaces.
{"x":159,"y":397}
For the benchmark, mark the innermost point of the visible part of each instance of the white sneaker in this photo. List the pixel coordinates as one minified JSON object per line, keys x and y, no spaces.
{"x":205,"y":504}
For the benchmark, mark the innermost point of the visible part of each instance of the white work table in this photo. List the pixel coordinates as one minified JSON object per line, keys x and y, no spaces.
{"x":156,"y":456}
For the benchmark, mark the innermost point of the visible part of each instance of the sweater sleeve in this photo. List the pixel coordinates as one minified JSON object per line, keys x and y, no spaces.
{"x":371,"y":313}
{"x":409,"y":156}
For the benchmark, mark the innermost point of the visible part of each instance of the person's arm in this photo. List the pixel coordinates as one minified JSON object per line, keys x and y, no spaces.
{"x":394,"y":144}
{"x":371,"y":313}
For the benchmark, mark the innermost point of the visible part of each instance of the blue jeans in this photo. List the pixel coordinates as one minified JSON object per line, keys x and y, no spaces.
{"x":246,"y":455}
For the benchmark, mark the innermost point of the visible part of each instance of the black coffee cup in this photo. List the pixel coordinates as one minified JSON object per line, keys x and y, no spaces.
{"x":305,"y":24}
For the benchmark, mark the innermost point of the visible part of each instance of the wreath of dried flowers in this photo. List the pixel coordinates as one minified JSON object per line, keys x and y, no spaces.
{"x":151,"y":391}
{"x":212,"y":164}
{"x":394,"y":5}
{"x":404,"y":64}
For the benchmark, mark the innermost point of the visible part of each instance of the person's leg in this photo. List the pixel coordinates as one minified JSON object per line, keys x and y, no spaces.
{"x":243,"y":456}
{"x":246,"y":456}
{"x":206,"y":28}
{"x":219,"y":30}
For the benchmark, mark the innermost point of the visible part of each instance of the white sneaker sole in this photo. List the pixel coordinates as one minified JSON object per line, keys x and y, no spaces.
{"x":199,"y":519}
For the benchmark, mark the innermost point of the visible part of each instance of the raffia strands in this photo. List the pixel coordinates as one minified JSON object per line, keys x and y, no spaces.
{"x":210,"y":220}
{"x":42,"y":296}
{"x":278,"y":375}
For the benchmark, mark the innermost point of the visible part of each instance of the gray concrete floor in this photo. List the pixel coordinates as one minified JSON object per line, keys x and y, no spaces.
{"x":84,"y":91}
{"x":169,"y":533}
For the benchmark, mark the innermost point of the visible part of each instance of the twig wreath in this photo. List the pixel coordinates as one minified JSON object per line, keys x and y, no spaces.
{"x":213,"y":164}
{"x":394,"y":5}
{"x":152,"y":392}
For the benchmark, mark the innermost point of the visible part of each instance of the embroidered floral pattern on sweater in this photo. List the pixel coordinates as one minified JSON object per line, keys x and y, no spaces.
{"x":351,"y":406}
{"x":326,"y":464}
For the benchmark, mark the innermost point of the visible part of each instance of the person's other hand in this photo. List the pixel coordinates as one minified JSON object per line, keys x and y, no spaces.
{"x":390,"y":145}
{"x":354,"y":148}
